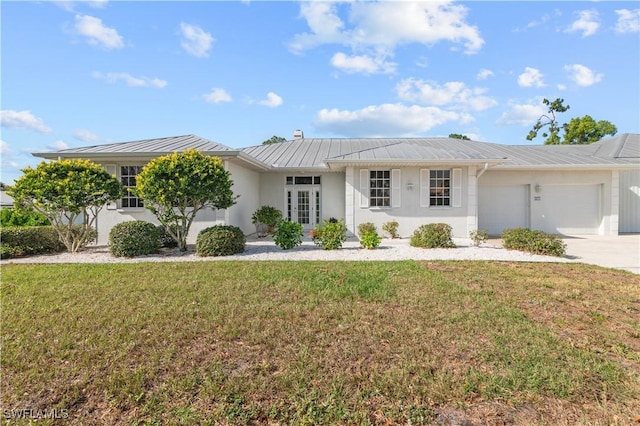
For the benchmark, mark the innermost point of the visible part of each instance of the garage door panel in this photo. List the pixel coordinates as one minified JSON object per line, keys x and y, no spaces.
{"x":502,"y":207}
{"x":568,"y":209}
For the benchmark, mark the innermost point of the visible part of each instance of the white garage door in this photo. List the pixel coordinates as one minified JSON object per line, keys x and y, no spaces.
{"x":503,"y":207}
{"x":567,"y":209}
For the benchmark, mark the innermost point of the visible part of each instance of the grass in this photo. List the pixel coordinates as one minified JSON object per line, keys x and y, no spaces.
{"x":321,"y":343}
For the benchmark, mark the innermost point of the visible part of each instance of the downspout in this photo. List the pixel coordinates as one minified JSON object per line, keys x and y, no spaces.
{"x":484,"y":169}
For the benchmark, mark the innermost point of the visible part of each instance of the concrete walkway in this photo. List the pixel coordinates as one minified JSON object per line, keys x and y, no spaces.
{"x":619,"y":252}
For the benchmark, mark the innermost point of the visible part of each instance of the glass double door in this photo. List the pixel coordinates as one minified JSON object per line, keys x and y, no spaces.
{"x":303,"y":205}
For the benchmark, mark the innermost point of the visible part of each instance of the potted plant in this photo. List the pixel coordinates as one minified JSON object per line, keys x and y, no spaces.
{"x":265,"y":219}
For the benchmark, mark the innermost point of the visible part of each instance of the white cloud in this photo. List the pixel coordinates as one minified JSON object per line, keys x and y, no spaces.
{"x":587,"y":23}
{"x":58,"y":145}
{"x":217,"y":95}
{"x":484,"y":73}
{"x":86,"y":136}
{"x":22,"y":120}
{"x":196,"y":41}
{"x":582,"y":75}
{"x":384,"y":120}
{"x":113,"y":77}
{"x":454,"y":93}
{"x":97,"y":33}
{"x":385,"y":25}
{"x":272,"y":100}
{"x":628,"y":21}
{"x":7,"y":161}
{"x":531,"y":77}
{"x":522,"y":114}
{"x":362,"y":64}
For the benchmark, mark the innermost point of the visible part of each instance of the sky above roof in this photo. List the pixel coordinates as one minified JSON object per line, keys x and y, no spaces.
{"x":93,"y":72}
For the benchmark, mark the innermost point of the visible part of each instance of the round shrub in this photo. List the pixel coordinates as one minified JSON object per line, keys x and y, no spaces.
{"x":331,"y":234}
{"x":370,"y":240}
{"x":365,"y":227}
{"x":134,"y":238}
{"x":536,"y":242}
{"x":28,"y":240}
{"x":220,"y":240}
{"x":391,"y":228}
{"x":432,"y":235}
{"x":288,"y":234}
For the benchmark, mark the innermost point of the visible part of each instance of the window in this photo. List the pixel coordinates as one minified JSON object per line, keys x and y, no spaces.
{"x":440,"y":187}
{"x":379,"y":188}
{"x":128,"y":179}
{"x":303,"y":180}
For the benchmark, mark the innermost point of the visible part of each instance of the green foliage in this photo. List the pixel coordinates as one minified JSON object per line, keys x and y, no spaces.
{"x":478,"y":237}
{"x":365,"y":227}
{"x":28,"y":240}
{"x":459,"y":136}
{"x":549,"y":120}
{"x":391,"y":228}
{"x":220,"y":240}
{"x":166,"y":239}
{"x":370,"y":239}
{"x":432,"y":235}
{"x":177,"y":186}
{"x":586,"y":130}
{"x":134,"y":238}
{"x":274,"y":139}
{"x":66,"y":192}
{"x":288,"y":234}
{"x":533,"y":241}
{"x":268,"y":215}
{"x":22,"y":217}
{"x":330,"y":235}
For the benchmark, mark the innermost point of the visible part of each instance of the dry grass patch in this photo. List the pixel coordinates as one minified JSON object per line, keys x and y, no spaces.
{"x":313,"y":343}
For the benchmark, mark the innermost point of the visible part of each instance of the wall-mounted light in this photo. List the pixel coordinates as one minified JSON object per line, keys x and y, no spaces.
{"x":410,"y":186}
{"x":538,"y":188}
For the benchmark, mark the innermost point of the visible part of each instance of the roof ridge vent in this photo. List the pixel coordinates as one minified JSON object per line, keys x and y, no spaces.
{"x":298,"y":134}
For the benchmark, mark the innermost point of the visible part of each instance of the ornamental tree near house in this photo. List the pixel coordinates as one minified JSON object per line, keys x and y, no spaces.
{"x":177,"y":186}
{"x":67,"y":192}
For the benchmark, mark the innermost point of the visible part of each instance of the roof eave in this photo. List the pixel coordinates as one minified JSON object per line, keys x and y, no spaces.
{"x":568,"y":166}
{"x":339,"y":164}
{"x":128,"y":155}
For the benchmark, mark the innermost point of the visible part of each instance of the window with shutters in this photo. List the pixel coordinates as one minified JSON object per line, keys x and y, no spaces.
{"x":379,"y":188}
{"x":128,"y":179}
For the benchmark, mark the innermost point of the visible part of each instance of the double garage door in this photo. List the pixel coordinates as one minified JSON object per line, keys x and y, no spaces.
{"x":557,"y":209}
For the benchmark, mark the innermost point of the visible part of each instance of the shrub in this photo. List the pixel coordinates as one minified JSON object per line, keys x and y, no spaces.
{"x":166,"y":239}
{"x":22,"y":217}
{"x":220,"y":240}
{"x":391,"y":228}
{"x":365,"y":227}
{"x":330,"y":235}
{"x":134,"y":238}
{"x":537,"y":242}
{"x":288,"y":234}
{"x":432,"y":235}
{"x":478,"y":237}
{"x":30,"y":240}
{"x":370,"y":240}
{"x":268,"y":215}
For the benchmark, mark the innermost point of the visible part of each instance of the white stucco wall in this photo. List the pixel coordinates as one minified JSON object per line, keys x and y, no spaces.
{"x":410,"y":214}
{"x":629,"y":214}
{"x":246,"y":185}
{"x":542,"y":183}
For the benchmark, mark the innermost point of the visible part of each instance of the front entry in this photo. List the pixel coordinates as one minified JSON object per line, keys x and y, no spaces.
{"x":303,"y":205}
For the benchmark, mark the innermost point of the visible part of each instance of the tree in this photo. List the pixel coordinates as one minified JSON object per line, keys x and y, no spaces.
{"x":67,"y":192}
{"x":586,"y":130}
{"x":459,"y":136}
{"x":549,"y":120}
{"x":177,"y":186}
{"x":274,"y":139}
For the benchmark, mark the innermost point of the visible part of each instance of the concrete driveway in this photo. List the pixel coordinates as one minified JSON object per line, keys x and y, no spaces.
{"x":620,"y":252}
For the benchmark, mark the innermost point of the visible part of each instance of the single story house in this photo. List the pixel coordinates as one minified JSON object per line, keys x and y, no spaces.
{"x":572,"y":190}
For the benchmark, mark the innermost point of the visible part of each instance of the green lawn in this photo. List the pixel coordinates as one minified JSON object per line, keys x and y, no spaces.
{"x":321,"y":343}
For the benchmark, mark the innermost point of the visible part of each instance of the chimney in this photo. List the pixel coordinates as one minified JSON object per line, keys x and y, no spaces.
{"x":298,"y":134}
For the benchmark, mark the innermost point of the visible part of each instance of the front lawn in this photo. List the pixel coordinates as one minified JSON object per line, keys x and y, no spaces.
{"x":321,"y":343}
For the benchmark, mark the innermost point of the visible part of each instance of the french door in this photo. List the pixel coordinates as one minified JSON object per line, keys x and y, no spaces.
{"x":303,"y":205}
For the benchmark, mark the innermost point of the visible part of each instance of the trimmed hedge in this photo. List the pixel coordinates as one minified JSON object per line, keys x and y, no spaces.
{"x":220,"y":240}
{"x":532,"y":241}
{"x":28,"y":240}
{"x":134,"y":238}
{"x":432,"y":235}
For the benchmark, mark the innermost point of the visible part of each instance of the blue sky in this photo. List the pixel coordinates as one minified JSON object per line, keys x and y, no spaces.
{"x":94,"y":72}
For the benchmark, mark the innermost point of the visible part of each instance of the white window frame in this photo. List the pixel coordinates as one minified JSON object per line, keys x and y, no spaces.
{"x":394,"y":188}
{"x":455,"y":188}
